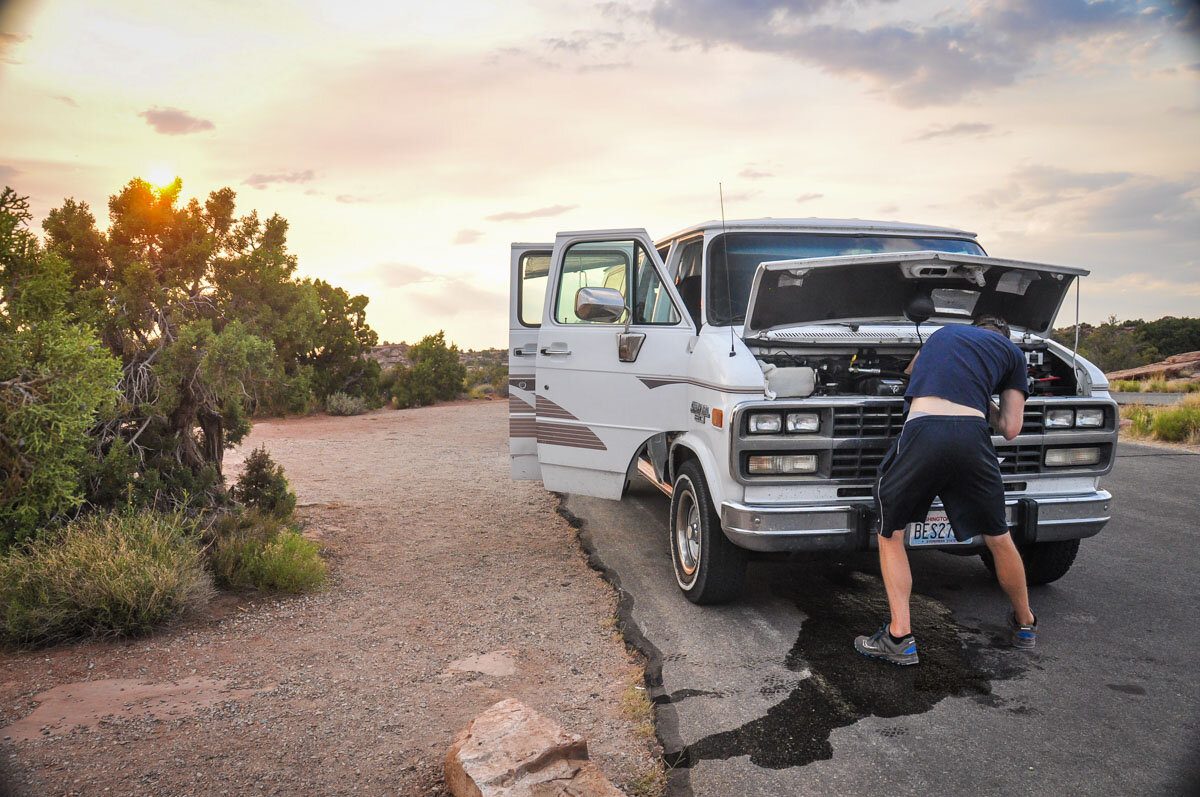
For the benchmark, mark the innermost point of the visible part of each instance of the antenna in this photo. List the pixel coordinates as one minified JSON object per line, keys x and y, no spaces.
{"x":725,"y":250}
{"x":1075,"y":351}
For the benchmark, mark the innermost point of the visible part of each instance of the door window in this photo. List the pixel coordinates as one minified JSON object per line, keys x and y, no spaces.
{"x":625,"y":266}
{"x":531,"y":297}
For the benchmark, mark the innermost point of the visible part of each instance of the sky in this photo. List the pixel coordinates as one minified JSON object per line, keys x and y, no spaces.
{"x":409,"y":143}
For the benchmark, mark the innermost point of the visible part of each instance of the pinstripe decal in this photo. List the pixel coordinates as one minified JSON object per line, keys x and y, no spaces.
{"x":569,"y":435}
{"x":652,"y":382}
{"x":548,"y":409}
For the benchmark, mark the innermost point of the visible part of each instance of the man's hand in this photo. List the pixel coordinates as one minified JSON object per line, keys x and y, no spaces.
{"x":1009,"y":417}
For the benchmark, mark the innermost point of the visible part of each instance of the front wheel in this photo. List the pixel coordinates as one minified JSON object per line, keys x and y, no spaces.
{"x":1045,"y":562}
{"x":708,"y":567}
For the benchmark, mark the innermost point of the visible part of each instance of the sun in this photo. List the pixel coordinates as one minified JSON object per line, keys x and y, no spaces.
{"x":160,"y":175}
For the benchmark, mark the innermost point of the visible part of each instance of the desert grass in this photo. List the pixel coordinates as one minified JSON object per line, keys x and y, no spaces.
{"x":1175,"y":424}
{"x":121,"y":574}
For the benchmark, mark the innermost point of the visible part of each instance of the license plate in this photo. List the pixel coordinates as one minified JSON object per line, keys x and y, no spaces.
{"x":935,"y":530}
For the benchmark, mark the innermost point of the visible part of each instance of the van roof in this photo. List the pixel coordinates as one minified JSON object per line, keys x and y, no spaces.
{"x":839,"y":226}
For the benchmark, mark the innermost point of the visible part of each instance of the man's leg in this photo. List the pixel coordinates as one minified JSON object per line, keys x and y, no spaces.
{"x":897,"y":580}
{"x":1010,"y":572}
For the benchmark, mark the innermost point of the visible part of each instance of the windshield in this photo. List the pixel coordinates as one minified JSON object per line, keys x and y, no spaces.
{"x":747,"y":249}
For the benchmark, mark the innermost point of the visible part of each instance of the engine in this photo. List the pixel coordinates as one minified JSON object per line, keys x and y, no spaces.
{"x":875,"y":372}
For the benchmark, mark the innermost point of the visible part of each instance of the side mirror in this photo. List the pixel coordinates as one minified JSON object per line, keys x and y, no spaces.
{"x":605,"y":305}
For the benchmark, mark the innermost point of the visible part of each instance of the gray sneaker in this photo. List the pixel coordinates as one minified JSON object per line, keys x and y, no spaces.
{"x":1024,"y":637}
{"x":880,"y":646}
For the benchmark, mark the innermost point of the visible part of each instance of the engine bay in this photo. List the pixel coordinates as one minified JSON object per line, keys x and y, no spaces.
{"x":880,"y":371}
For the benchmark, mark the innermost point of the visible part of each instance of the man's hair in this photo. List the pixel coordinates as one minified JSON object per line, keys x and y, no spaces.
{"x":994,"y":323}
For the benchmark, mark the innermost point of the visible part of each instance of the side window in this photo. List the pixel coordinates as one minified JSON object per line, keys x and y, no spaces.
{"x":663,"y":251}
{"x":535,"y":273}
{"x":595,"y":264}
{"x":624,"y":266}
{"x":653,"y":305}
{"x":687,"y":283}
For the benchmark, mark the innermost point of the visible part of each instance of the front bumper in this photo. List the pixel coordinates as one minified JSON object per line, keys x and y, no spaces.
{"x":851,"y":525}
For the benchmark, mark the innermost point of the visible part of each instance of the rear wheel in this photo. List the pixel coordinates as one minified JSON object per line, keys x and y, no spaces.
{"x":708,"y":567}
{"x":1045,"y":562}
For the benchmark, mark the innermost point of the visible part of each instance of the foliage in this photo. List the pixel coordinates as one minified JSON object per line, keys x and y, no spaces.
{"x":210,"y":325}
{"x":55,"y":380}
{"x":342,"y":404}
{"x":105,"y":574}
{"x":256,"y":550}
{"x":1179,"y":423}
{"x":436,"y":374}
{"x":263,"y":486}
{"x":493,"y":376}
{"x":1115,"y":346}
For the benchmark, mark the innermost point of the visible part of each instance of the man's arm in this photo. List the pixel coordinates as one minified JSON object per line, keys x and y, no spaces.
{"x":1009,"y":417}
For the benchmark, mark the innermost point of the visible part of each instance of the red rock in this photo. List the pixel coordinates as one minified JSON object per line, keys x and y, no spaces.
{"x":510,"y":750}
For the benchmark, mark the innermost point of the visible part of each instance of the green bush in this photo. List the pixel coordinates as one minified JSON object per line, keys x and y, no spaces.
{"x":342,"y":404}
{"x":263,"y":486}
{"x":1179,"y":424}
{"x":436,"y":374}
{"x":1125,"y":386}
{"x":1140,"y":418}
{"x":255,"y":550}
{"x":120,"y":574}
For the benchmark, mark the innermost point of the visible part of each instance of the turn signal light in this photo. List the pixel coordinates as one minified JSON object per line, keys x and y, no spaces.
{"x":1071,"y":457}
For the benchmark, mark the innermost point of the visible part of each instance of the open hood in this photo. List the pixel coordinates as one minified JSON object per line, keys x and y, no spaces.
{"x":877,"y":287}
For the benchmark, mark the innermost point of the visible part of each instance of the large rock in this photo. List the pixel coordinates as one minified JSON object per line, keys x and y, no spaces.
{"x":510,"y":750}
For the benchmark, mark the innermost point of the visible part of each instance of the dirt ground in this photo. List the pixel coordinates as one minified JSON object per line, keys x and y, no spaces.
{"x":452,"y":587}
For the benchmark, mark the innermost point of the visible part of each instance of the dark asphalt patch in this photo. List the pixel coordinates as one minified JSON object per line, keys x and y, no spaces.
{"x":844,"y":687}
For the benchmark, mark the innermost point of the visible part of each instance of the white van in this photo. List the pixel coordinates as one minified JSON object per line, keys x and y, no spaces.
{"x":754,"y":372}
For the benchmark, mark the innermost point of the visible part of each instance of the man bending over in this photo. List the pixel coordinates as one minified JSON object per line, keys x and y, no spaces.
{"x":945,"y":450}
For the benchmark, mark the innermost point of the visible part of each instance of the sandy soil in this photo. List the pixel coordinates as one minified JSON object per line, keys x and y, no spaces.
{"x":453,"y":587}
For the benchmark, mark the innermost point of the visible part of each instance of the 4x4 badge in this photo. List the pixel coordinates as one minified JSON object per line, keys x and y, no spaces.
{"x":700,"y":412}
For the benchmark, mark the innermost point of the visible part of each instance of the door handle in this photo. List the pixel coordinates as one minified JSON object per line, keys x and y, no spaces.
{"x":521,"y":353}
{"x":550,"y":351}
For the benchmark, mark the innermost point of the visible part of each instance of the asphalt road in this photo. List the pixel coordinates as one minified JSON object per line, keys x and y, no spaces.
{"x":1157,"y":399}
{"x":766,"y":697}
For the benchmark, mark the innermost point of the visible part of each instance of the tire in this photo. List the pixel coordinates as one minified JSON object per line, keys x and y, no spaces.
{"x":1045,"y":562}
{"x":709,"y":569}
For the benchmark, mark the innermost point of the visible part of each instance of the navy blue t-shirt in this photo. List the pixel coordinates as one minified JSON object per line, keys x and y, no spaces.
{"x":968,"y":365}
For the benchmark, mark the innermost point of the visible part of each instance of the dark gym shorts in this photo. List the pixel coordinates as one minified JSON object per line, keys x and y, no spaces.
{"x":946,"y":456}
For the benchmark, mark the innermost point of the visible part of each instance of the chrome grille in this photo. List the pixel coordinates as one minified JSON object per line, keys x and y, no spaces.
{"x":886,"y":420}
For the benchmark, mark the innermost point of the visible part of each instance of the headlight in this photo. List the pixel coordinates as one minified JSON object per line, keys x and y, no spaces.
{"x":790,"y":464}
{"x":1071,"y":457}
{"x":1089,"y":417}
{"x":1060,"y":419}
{"x":803,"y":422}
{"x":766,"y":423}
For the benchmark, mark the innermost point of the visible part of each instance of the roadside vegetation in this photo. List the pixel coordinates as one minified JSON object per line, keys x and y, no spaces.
{"x":130,"y":361}
{"x":1117,"y":345}
{"x":1155,"y":386}
{"x":1174,"y":424}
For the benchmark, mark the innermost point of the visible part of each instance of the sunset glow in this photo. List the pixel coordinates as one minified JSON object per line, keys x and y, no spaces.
{"x":408,"y":144}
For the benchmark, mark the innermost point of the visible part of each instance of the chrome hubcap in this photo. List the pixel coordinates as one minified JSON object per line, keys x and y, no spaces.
{"x":687,"y":534}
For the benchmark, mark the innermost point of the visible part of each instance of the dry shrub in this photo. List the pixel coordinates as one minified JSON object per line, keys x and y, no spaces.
{"x":255,"y":550}
{"x":1175,"y":424}
{"x":342,"y":404}
{"x":121,"y":574}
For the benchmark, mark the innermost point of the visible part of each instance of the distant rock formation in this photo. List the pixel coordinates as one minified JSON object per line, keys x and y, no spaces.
{"x":1177,"y":366}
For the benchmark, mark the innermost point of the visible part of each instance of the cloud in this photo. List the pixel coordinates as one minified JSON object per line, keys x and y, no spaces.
{"x":539,"y":213}
{"x":438,"y":294}
{"x":65,"y":100}
{"x":751,"y":173}
{"x":1102,"y":202}
{"x":808,"y":197}
{"x":174,"y":122}
{"x":8,"y":43}
{"x":466,"y":237}
{"x":990,"y":44}
{"x":263,"y":180}
{"x":7,"y":173}
{"x":352,"y":199}
{"x":959,"y":130}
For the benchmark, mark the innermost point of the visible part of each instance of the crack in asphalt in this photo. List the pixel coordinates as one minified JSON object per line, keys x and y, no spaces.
{"x":845,"y":687}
